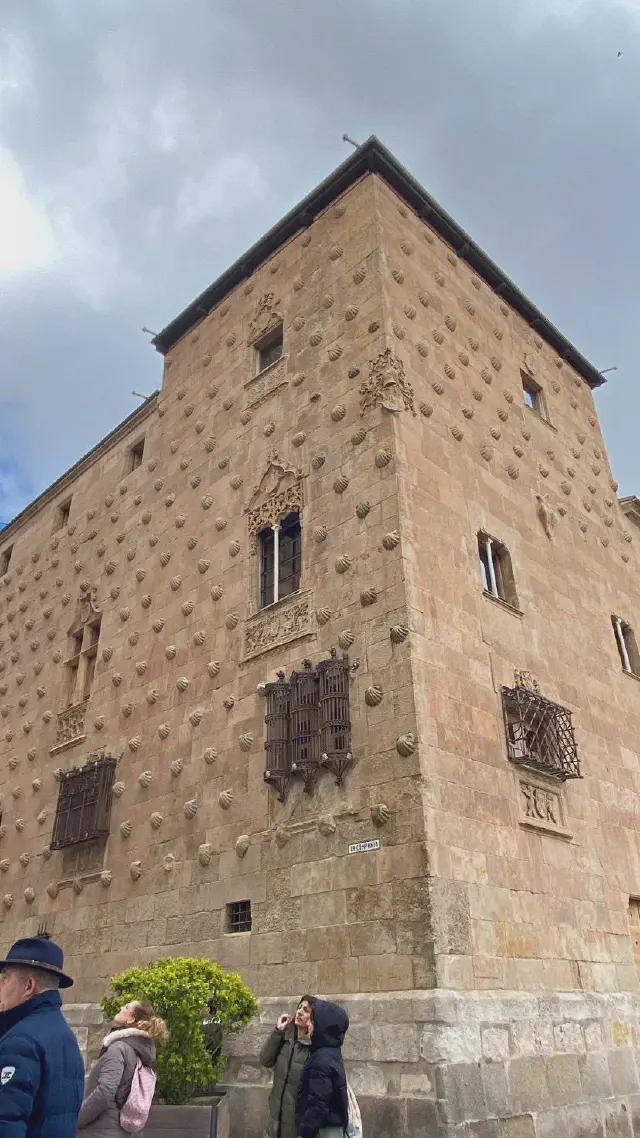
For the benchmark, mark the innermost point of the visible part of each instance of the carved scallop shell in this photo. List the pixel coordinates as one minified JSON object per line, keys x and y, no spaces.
{"x":513,"y":471}
{"x":175,"y":583}
{"x":457,"y":433}
{"x":182,"y":683}
{"x":358,"y":436}
{"x":196,"y":717}
{"x":316,"y":337}
{"x":391,"y":540}
{"x":368,"y":597}
{"x":343,"y":563}
{"x":234,"y":548}
{"x":225,"y":799}
{"x":228,"y":702}
{"x":299,"y":438}
{"x":232,"y":621}
{"x":334,"y":352}
{"x":206,"y":502}
{"x":383,"y":456}
{"x":406,"y":744}
{"x":187,"y":608}
{"x":398,"y":633}
{"x":373,"y":696}
{"x":317,"y":461}
{"x":340,"y":483}
{"x":345,"y":639}
{"x":323,"y":615}
{"x":126,"y":829}
{"x":135,"y":870}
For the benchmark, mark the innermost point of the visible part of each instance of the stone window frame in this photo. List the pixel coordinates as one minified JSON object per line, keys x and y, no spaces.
{"x":267,"y":509}
{"x":534,"y":397}
{"x":496,"y":568}
{"x":5,"y":559}
{"x":62,"y":514}
{"x":238,"y":917}
{"x":134,"y":455}
{"x":627,"y":646}
{"x":270,"y":341}
{"x":270,"y":535}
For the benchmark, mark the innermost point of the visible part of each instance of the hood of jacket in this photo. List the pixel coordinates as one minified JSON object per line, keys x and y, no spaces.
{"x":139,"y":1041}
{"x":330,"y":1025}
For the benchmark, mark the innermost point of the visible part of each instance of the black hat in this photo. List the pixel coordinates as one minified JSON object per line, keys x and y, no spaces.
{"x":38,"y":952}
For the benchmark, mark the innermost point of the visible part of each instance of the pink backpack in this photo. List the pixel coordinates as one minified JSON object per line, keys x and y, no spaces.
{"x":135,"y":1112}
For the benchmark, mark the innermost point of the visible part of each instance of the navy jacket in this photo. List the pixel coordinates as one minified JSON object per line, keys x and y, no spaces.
{"x":322,"y":1094}
{"x":41,"y":1071}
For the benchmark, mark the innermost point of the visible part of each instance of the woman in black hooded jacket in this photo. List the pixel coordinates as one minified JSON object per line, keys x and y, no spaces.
{"x":322,"y":1109}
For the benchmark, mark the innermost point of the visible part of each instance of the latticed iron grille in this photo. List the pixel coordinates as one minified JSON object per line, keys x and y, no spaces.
{"x":84,"y":804}
{"x":539,"y":733}
{"x":239,"y":917}
{"x":308,"y":724}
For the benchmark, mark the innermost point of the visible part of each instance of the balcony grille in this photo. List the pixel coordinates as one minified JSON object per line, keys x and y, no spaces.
{"x":84,"y":804}
{"x":278,"y":742}
{"x":539,"y":733}
{"x":305,"y":735}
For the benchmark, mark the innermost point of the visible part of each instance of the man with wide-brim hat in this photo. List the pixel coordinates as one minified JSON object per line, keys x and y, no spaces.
{"x":41,"y":1068}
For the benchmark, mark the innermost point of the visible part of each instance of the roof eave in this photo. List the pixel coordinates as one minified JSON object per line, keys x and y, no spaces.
{"x":373,"y":156}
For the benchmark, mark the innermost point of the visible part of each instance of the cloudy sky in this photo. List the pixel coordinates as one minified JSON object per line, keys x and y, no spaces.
{"x":144,"y":144}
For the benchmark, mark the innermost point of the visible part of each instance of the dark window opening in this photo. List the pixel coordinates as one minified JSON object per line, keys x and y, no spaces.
{"x":539,"y":733}
{"x":267,"y":567}
{"x":134,"y":456}
{"x":627,"y":646}
{"x":62,"y":515}
{"x":83,"y":811}
{"x":5,"y":560}
{"x":533,"y":395}
{"x":280,"y":552}
{"x":239,"y":917}
{"x":496,"y":570}
{"x":270,"y":350}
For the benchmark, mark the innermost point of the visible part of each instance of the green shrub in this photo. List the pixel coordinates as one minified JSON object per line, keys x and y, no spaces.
{"x":181,"y":990}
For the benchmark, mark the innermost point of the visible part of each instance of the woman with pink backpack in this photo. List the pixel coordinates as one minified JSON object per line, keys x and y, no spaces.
{"x":120,"y":1087}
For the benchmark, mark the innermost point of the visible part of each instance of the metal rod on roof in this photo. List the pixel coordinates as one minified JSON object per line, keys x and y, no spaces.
{"x":604,"y":370}
{"x":139,"y":396}
{"x":149,"y":332}
{"x":345,"y":138}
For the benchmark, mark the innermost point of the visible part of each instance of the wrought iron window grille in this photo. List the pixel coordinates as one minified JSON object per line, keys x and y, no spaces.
{"x":239,"y":917}
{"x":308,"y":726}
{"x":539,"y":733}
{"x":83,"y":811}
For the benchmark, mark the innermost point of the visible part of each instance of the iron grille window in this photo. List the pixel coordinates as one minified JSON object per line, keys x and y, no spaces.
{"x":239,"y":917}
{"x":308,"y":724}
{"x":280,"y":560}
{"x":539,"y":733}
{"x":84,"y":804}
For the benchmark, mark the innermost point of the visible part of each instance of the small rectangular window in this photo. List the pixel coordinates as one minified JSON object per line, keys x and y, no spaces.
{"x":496,"y":570}
{"x":5,"y":560}
{"x":135,"y":455}
{"x":534,"y":395}
{"x":627,"y":646}
{"x":239,"y":917}
{"x":270,"y":349}
{"x":63,"y":512}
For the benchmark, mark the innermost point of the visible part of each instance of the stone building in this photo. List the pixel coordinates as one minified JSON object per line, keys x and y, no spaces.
{"x":322,"y":664}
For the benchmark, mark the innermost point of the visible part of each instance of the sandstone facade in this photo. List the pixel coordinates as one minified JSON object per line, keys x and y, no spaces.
{"x":483,"y":944}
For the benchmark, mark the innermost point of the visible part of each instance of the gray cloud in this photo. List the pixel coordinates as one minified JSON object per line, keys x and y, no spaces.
{"x":153,"y":142}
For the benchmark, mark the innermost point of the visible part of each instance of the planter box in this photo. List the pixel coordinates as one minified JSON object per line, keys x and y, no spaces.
{"x":209,"y":1118}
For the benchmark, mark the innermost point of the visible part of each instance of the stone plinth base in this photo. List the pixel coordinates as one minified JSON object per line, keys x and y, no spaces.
{"x":449,"y":1064}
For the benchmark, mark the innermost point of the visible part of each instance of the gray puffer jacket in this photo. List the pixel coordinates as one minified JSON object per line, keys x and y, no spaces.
{"x":109,"y":1082}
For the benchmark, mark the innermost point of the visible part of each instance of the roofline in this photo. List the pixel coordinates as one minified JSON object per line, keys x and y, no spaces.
{"x":124,"y":428}
{"x":373,"y":157}
{"x":630,"y":506}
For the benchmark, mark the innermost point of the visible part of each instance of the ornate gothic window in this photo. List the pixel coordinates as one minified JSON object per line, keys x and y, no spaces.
{"x":539,"y":732}
{"x":308,"y":724}
{"x":80,"y":668}
{"x":83,"y":811}
{"x":280,"y":559}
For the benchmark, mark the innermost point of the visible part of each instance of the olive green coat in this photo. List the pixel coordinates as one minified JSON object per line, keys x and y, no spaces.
{"x":287,"y":1055}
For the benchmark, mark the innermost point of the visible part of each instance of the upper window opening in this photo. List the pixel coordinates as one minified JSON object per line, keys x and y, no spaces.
{"x":81,"y":665}
{"x":627,"y":646}
{"x":84,"y":804}
{"x":270,"y":349}
{"x":496,"y":570}
{"x":280,"y":549}
{"x":634,"y":921}
{"x":62,"y":515}
{"x":534,"y":395}
{"x":135,"y":455}
{"x":5,"y":560}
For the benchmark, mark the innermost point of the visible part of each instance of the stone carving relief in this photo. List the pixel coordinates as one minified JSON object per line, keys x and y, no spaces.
{"x":541,"y":807}
{"x":278,"y":491}
{"x":266,"y":317}
{"x":88,"y":606}
{"x":386,"y":386}
{"x":290,"y":622}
